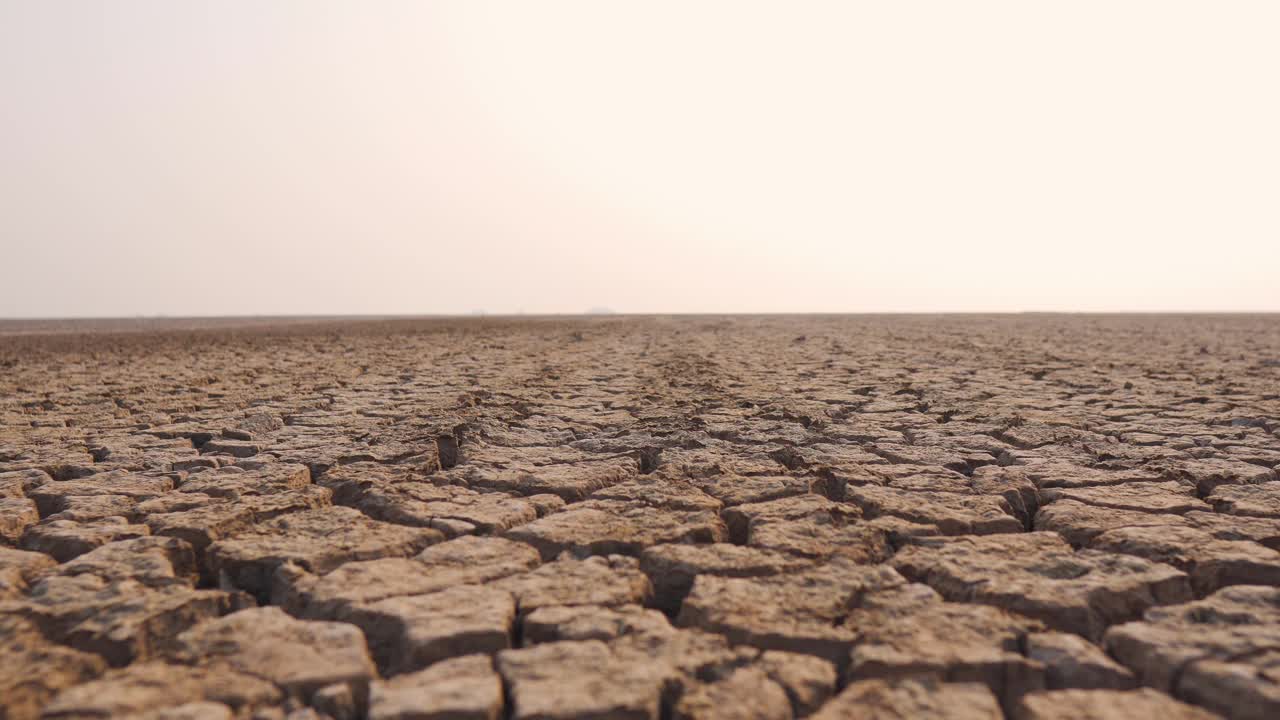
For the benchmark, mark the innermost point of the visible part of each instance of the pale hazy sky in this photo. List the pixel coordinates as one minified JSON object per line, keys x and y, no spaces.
{"x":259,"y":157}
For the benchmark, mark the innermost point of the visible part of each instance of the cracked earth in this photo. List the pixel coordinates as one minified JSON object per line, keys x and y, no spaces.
{"x":1031,"y":517}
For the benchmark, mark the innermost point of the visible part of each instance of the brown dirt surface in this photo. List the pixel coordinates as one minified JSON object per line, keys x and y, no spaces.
{"x":1023,"y":516}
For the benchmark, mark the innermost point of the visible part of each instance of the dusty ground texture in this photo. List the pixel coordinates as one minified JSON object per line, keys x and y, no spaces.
{"x":875,"y":517}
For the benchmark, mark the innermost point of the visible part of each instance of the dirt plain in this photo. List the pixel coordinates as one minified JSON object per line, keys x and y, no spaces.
{"x":1032,"y":516}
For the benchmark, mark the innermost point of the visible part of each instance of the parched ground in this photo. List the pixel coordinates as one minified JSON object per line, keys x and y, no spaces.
{"x":615,"y":517}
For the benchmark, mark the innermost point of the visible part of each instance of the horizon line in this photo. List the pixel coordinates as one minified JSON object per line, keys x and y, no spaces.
{"x":695,"y":313}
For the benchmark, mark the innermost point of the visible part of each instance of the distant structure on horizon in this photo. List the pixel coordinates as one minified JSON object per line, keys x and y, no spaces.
{"x":601,"y":311}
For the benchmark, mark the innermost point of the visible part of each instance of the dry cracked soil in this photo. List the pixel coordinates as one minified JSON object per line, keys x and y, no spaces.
{"x":1030,"y":517}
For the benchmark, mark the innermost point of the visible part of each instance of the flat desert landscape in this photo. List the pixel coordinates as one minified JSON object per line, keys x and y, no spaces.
{"x":617,"y":517}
